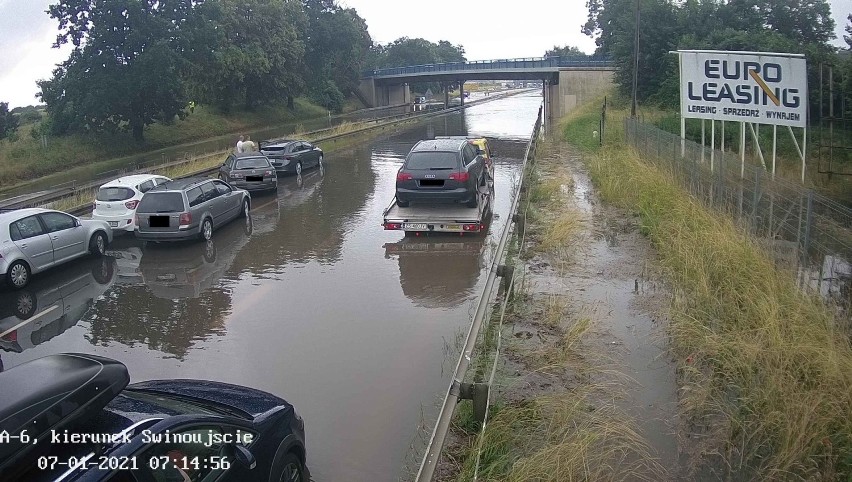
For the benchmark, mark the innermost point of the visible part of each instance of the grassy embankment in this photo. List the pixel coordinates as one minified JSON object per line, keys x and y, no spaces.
{"x":766,"y":378}
{"x":576,"y":429}
{"x":25,"y":158}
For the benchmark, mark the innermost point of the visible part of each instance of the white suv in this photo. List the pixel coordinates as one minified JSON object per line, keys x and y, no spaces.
{"x":116,"y":200}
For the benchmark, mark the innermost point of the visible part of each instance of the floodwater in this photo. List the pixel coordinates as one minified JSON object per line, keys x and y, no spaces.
{"x":310,"y":300}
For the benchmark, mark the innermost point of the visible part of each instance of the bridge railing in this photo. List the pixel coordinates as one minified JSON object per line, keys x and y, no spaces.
{"x":499,"y":64}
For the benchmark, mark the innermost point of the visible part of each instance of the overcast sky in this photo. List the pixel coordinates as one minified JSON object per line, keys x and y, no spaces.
{"x":486,"y":28}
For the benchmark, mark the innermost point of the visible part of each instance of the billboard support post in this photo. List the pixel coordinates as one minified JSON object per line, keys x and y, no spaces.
{"x":774,"y":145}
{"x":683,"y":137}
{"x":742,"y":148}
{"x":757,"y":147}
{"x":712,"y":143}
{"x":702,"y":141}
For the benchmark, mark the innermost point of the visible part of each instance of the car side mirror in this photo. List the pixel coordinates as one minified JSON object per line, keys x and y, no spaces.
{"x":244,"y":457}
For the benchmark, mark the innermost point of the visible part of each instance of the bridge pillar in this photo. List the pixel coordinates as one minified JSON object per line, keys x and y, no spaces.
{"x":444,"y":86}
{"x":461,"y":91}
{"x":366,"y":92}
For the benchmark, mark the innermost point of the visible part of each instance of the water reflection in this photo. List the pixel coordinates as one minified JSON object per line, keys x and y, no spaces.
{"x":53,"y":303}
{"x":438,"y":270}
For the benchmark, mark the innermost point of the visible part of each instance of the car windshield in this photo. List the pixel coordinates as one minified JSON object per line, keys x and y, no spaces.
{"x":178,"y":404}
{"x":432,"y":160}
{"x":161,"y":202}
{"x":114,"y":194}
{"x":251,"y":163}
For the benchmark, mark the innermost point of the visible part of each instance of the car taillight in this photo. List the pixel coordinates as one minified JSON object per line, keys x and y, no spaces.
{"x":131,"y":204}
{"x":185,"y":219}
{"x":471,"y":227}
{"x":404,"y":176}
{"x":11,"y":336}
{"x":460,"y":176}
{"x":391,"y":226}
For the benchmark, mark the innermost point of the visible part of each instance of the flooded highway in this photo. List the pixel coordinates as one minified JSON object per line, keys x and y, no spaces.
{"x":309,"y":299}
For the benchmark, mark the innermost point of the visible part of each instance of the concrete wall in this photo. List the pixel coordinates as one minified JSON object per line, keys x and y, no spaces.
{"x":577,"y":87}
{"x":367,"y":92}
{"x":381,"y":95}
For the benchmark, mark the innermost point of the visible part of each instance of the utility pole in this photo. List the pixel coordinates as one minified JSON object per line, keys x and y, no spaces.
{"x":635,"y":62}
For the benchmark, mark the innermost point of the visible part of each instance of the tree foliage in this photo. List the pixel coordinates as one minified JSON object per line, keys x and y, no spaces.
{"x":8,"y":121}
{"x":125,"y":69}
{"x":337,"y":45}
{"x":416,"y":51}
{"x":566,"y":51}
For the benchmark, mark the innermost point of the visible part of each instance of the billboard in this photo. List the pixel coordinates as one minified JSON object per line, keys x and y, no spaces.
{"x":766,"y":88}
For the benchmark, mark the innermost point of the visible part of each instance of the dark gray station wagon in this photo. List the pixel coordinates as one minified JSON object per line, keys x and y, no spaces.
{"x":291,"y":156}
{"x":189,"y":208}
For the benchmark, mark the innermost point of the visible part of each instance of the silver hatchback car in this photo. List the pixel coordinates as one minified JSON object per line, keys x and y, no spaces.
{"x":188,"y":208}
{"x":33,"y":240}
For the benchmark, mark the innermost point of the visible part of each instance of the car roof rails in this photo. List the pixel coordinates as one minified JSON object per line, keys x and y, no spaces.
{"x":49,"y":393}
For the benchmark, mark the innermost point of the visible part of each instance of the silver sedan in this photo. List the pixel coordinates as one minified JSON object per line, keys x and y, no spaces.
{"x":33,"y":240}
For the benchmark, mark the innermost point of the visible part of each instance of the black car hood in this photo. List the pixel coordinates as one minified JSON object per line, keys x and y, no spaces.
{"x":248,"y":400}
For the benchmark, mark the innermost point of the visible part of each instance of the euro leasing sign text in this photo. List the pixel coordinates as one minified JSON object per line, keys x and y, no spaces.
{"x":761,"y":88}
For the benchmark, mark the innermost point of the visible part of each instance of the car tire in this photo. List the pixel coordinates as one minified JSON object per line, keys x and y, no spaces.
{"x":25,"y":305}
{"x":299,"y":168}
{"x":206,"y":232}
{"x":209,"y":251}
{"x":292,"y":470}
{"x":18,"y":275}
{"x":103,"y":271}
{"x":244,"y":211}
{"x":98,"y":244}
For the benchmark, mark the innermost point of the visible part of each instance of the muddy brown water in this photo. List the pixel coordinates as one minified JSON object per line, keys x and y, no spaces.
{"x":310,"y":300}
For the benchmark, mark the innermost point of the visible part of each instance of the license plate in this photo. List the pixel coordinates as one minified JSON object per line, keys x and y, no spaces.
{"x":414,"y":226}
{"x":454,"y":227}
{"x":158,"y":221}
{"x":113,"y":224}
{"x":254,"y":178}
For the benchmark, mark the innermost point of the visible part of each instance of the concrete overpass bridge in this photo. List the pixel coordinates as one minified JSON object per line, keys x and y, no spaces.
{"x":566,"y":82}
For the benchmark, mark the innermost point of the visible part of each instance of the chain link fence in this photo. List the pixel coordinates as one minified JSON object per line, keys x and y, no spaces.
{"x":806,"y":233}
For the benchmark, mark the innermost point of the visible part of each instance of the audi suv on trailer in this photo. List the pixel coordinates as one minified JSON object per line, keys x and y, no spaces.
{"x":34,"y":239}
{"x":441,"y":171}
{"x":189,"y":208}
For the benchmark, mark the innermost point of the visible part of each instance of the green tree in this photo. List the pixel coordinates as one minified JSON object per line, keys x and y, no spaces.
{"x":566,"y":51}
{"x":337,"y":46}
{"x":8,"y":121}
{"x":125,"y":70}
{"x":257,"y":52}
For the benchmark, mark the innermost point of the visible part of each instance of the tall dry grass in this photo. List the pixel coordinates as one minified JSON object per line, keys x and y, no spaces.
{"x":766,"y":376}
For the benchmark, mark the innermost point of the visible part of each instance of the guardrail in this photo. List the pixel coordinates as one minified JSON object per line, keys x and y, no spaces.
{"x":480,"y":393}
{"x":501,"y":64}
